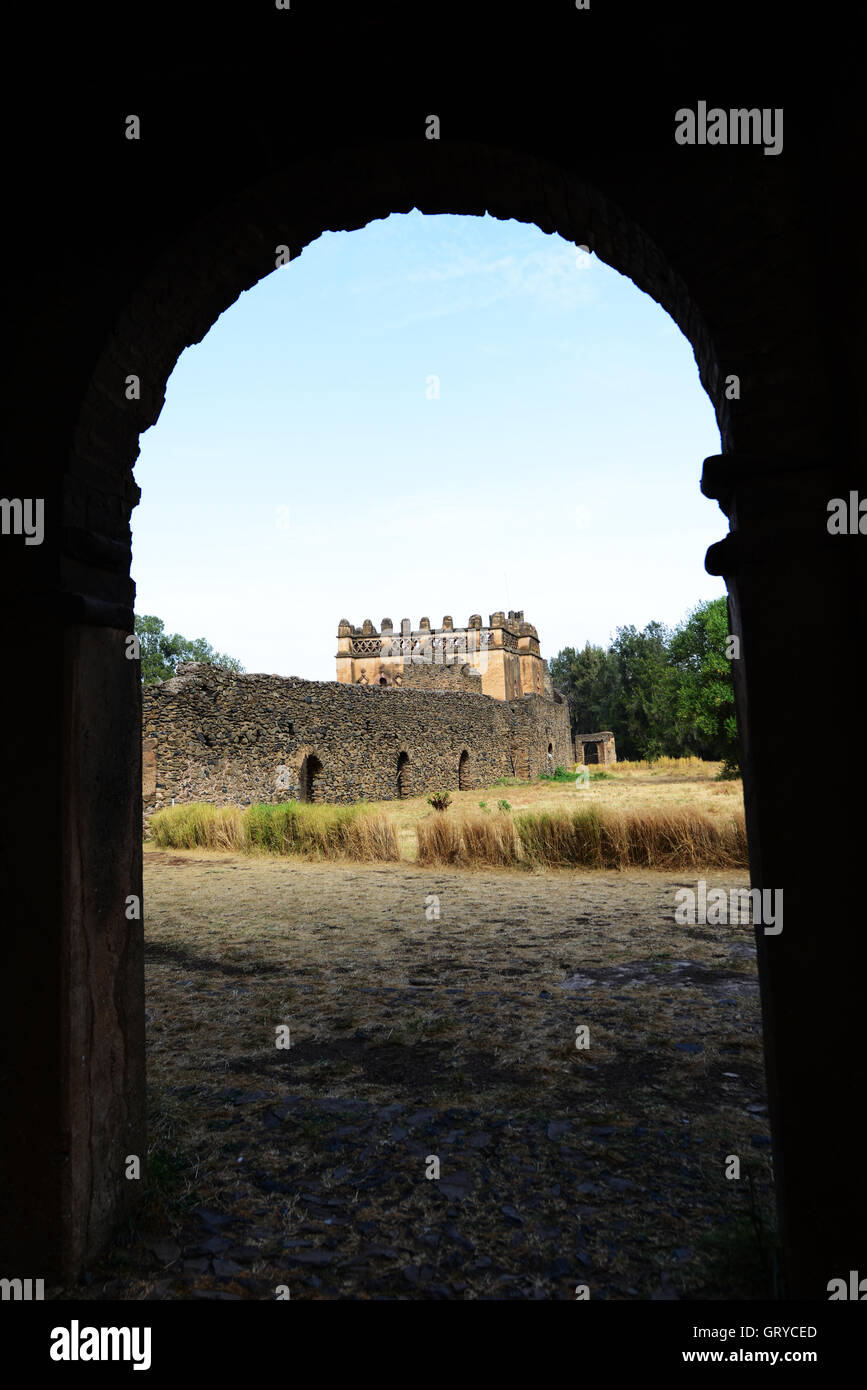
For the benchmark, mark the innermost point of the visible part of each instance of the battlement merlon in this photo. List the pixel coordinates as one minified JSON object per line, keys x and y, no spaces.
{"x":514,"y":624}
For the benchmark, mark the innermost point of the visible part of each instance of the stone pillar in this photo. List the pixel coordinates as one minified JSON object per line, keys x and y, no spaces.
{"x":72,"y":1015}
{"x":796,"y":603}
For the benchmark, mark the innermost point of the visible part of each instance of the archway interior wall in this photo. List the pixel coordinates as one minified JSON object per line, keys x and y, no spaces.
{"x":200,"y":729}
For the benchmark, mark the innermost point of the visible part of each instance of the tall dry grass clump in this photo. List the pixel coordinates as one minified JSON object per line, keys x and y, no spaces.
{"x":595,"y":839}
{"x":490,"y":839}
{"x":589,"y":839}
{"x":288,"y":827}
{"x":557,"y":838}
{"x":198,"y":826}
{"x":692,"y":769}
{"x":440,"y":841}
{"x":469,"y":839}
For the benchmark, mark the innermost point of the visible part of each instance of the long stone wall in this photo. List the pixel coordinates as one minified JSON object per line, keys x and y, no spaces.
{"x":212,"y":735}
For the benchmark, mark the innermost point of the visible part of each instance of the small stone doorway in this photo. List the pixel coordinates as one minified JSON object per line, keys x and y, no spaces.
{"x":311,"y":778}
{"x":403,"y":776}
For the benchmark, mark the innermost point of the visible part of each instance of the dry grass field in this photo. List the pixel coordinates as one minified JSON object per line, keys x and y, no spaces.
{"x":667,"y":815}
{"x":669,"y":785}
{"x":432,"y":1014}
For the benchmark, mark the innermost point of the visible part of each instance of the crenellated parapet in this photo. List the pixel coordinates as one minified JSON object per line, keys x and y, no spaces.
{"x":502,"y":658}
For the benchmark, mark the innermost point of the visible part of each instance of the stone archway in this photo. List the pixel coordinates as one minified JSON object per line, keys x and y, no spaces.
{"x":596,"y":747}
{"x":463,"y":771}
{"x":730,"y":261}
{"x":404,"y":776}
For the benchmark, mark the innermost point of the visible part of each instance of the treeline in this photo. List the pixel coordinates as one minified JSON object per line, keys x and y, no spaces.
{"x":662,"y":692}
{"x":162,"y":652}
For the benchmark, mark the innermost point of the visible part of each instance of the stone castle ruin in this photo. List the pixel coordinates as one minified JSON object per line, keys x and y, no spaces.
{"x":408,"y":714}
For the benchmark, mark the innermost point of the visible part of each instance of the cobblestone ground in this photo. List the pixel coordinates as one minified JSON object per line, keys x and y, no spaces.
{"x":432,"y":1021}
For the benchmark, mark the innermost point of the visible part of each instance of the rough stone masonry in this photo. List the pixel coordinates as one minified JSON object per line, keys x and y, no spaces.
{"x":212,"y":735}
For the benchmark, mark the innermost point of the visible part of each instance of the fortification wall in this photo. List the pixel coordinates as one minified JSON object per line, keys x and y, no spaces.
{"x":212,"y":735}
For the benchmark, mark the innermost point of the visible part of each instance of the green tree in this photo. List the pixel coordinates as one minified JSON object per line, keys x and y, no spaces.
{"x":661,"y":692}
{"x":644,"y":720}
{"x":705,"y":691}
{"x":161,"y":652}
{"x":589,"y":680}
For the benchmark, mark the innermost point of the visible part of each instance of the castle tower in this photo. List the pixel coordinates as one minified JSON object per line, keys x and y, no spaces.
{"x":505,"y":654}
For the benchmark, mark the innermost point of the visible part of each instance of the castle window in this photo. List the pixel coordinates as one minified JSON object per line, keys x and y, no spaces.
{"x":383,"y":680}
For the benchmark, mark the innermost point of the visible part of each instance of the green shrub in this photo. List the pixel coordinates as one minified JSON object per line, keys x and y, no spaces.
{"x":440,"y":801}
{"x":503,"y":806}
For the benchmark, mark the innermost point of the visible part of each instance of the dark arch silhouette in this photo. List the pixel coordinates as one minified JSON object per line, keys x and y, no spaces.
{"x":404,"y":775}
{"x":463,"y":771}
{"x":724,"y":255}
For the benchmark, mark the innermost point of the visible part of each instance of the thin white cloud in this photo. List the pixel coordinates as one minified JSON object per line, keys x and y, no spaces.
{"x":550,"y":274}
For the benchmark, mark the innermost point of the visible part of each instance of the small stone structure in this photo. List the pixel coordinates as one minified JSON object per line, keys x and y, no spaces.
{"x":602,"y":744}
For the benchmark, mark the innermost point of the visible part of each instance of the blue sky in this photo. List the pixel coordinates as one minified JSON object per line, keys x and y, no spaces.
{"x":303,"y":468}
